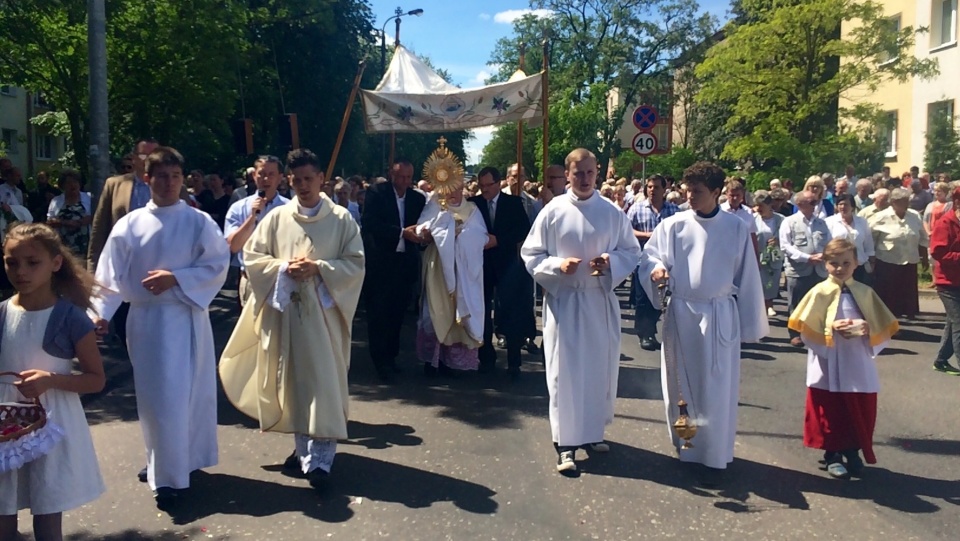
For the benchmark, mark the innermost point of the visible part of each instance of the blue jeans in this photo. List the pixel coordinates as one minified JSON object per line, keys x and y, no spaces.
{"x":950,"y":342}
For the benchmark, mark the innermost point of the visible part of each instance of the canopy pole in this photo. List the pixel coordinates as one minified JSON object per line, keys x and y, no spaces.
{"x":519,"y":188}
{"x":545,"y":103}
{"x":346,"y":118}
{"x":393,"y":145}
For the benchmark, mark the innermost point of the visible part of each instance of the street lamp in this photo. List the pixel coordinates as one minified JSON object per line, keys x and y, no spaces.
{"x":383,"y":33}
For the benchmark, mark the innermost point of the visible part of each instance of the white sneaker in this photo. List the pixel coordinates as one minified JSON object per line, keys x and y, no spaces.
{"x":771,"y":312}
{"x":565,"y":463}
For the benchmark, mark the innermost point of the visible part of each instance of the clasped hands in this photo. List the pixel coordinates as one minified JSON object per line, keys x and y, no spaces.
{"x":571,"y":264}
{"x":851,"y":328}
{"x":302,"y":269}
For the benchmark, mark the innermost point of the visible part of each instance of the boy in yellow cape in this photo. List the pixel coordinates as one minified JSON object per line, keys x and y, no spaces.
{"x":844,"y":325}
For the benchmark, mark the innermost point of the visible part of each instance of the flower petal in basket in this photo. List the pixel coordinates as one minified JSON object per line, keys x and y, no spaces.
{"x":29,"y":447}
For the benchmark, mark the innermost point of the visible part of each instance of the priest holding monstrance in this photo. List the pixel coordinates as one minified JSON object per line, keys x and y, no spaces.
{"x":450,"y":328}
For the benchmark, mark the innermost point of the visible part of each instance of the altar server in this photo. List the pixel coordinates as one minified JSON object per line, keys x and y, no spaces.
{"x":577,"y":233}
{"x":717,"y":303}
{"x":168,"y":260}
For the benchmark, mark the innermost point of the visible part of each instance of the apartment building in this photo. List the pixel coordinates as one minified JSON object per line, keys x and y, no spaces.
{"x":31,"y":148}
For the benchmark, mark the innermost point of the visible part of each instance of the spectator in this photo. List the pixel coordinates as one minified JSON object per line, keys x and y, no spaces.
{"x":919,"y":198}
{"x":780,"y":202}
{"x":938,"y":207}
{"x":215,"y":201}
{"x":901,"y":242}
{"x":845,"y":224}
{"x":863,"y":199}
{"x":768,"y":225}
{"x":824,"y":206}
{"x":829,"y":185}
{"x":945,"y":250}
{"x":39,"y":199}
{"x":343,"y":190}
{"x":881,"y":200}
{"x":71,"y":213}
{"x":803,"y":237}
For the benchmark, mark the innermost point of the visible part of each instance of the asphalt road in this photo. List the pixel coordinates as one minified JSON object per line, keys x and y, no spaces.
{"x":471,"y":458}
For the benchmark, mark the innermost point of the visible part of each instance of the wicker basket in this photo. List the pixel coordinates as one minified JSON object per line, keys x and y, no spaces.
{"x":17,"y":419}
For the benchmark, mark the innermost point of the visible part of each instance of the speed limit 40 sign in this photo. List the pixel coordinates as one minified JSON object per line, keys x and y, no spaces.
{"x":645,"y":143}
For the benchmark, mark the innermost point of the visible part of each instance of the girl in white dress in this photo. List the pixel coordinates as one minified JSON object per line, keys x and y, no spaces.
{"x":44,"y":326}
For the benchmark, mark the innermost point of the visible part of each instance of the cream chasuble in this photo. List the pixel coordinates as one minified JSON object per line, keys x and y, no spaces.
{"x":289,"y":369}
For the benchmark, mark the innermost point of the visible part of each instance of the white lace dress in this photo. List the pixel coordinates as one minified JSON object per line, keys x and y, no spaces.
{"x":68,"y":476}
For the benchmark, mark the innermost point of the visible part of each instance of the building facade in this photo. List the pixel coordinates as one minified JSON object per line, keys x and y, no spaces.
{"x":31,"y":148}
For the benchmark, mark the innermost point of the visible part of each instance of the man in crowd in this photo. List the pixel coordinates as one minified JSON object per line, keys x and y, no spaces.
{"x":39,"y":199}
{"x":391,"y":246}
{"x":249,"y":185}
{"x":244,"y":215}
{"x":735,"y":205}
{"x":506,"y":284}
{"x":862,"y":198}
{"x":645,"y":215}
{"x":168,"y":260}
{"x":635,"y":191}
{"x":286,"y":363}
{"x":803,"y":236}
{"x":881,"y":200}
{"x":554,"y":184}
{"x":516,"y":176}
{"x":780,"y":202}
{"x":842,"y":187}
{"x":576,"y":235}
{"x":919,"y":198}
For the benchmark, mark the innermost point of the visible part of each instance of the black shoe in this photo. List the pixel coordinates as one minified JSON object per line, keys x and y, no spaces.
{"x":946,"y":368}
{"x":292,"y":462}
{"x":854,"y":462}
{"x":429,"y":370}
{"x":447,"y":372}
{"x":318,"y":478}
{"x":166,"y":497}
{"x":501,"y":342}
{"x":531,"y":346}
{"x":514,"y":372}
{"x":649,"y":344}
{"x":142,"y":475}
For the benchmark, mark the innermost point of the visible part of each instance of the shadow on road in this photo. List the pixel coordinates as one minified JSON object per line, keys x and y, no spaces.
{"x":134,"y":535}
{"x":368,"y":478}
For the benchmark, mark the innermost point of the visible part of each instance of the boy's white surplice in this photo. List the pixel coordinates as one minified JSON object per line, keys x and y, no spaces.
{"x":717,"y":303}
{"x":169,"y":336}
{"x":581,"y":314}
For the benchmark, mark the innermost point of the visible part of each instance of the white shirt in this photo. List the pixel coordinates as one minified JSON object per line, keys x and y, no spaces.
{"x":401,"y":206}
{"x":10,"y":195}
{"x":744,"y":214}
{"x":859,"y":234}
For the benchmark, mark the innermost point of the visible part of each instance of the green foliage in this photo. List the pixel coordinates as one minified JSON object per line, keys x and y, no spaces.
{"x":942,"y":149}
{"x":597,"y":45}
{"x":501,"y":151}
{"x":781,"y":72}
{"x":57,"y":124}
{"x":672,"y":163}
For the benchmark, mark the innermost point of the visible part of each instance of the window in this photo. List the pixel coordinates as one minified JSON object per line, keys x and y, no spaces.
{"x":892,"y":54}
{"x":943,"y":23}
{"x":40,"y":101}
{"x":663,"y":131}
{"x":9,"y":139}
{"x":44,"y":146}
{"x":888,"y":134}
{"x":8,"y":90}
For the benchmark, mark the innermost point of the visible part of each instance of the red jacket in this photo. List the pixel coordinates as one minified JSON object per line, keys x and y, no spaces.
{"x":945,"y":250}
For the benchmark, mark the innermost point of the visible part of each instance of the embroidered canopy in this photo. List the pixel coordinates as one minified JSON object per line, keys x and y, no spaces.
{"x":411,"y":97}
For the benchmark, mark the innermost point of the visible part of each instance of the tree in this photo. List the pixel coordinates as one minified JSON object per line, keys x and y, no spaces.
{"x":942,"y":150}
{"x":597,"y":45}
{"x":501,"y":151}
{"x":782,"y":70}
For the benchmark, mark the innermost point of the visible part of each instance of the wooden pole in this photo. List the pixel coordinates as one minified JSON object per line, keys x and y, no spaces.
{"x":545,"y":103}
{"x":346,"y":119}
{"x":519,"y":188}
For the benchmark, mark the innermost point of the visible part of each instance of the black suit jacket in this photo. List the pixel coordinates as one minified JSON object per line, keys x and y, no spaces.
{"x":380,"y":222}
{"x":510,"y":228}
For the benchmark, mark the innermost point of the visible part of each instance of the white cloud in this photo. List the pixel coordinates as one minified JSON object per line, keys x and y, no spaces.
{"x":510,"y":15}
{"x":474,"y":147}
{"x":484,"y":16}
{"x":481,"y":77}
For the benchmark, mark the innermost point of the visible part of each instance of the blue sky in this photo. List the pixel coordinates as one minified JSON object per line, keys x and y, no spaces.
{"x":459,"y":36}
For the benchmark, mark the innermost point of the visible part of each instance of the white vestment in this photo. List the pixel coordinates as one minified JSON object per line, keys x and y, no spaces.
{"x":169,"y":336}
{"x":459,"y":248}
{"x":581,"y":314}
{"x":717,"y":303}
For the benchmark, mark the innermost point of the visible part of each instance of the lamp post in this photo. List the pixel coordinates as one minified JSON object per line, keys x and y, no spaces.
{"x":383,"y":33}
{"x":397,"y":14}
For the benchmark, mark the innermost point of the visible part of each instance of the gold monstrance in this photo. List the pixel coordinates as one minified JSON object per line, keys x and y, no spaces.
{"x":684,"y":426}
{"x":444,"y":171}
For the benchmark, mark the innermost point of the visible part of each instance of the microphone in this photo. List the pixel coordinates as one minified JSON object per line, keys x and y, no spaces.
{"x":261,"y":194}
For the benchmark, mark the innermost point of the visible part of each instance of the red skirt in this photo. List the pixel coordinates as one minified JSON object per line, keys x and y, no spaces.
{"x":896,"y":285}
{"x":840,"y":421}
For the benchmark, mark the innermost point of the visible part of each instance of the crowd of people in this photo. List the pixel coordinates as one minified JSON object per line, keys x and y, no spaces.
{"x":473,"y":255}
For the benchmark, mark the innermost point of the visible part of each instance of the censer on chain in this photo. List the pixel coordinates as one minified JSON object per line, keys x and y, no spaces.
{"x":684,"y":426}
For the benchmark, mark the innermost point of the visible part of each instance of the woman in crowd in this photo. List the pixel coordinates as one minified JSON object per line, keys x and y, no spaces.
{"x":938,"y":207}
{"x":768,"y":239}
{"x":900,"y":242}
{"x":845,"y":224}
{"x":945,"y":249}
{"x":816,"y":185}
{"x":71,"y":213}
